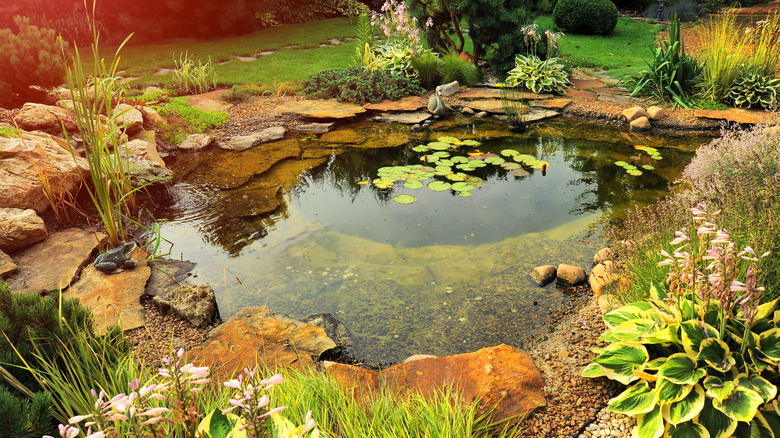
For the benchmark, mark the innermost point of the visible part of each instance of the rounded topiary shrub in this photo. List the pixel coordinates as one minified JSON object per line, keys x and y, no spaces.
{"x":585,"y":16}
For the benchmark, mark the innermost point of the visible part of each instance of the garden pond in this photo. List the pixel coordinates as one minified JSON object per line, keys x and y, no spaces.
{"x":441,"y":269}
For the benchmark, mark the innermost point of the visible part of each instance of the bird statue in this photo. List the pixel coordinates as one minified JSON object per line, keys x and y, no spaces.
{"x":436,"y":104}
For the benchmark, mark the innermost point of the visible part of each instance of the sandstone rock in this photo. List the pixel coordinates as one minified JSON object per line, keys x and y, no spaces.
{"x":195,"y":303}
{"x":23,"y":158}
{"x":149,"y":136}
{"x":243,"y":142}
{"x":408,"y":103}
{"x":314,"y":128}
{"x":500,"y":376}
{"x":418,"y":357}
{"x":495,"y":93}
{"x":113,"y":298}
{"x":569,"y":275}
{"x":20,"y":229}
{"x":195,"y":142}
{"x":466,"y":110}
{"x":151,"y":117}
{"x":544,"y":275}
{"x":602,"y":255}
{"x":343,"y":136}
{"x":257,"y":335}
{"x":640,"y":125}
{"x":321,"y":109}
{"x":142,"y":150}
{"x":129,"y":117}
{"x":166,"y":275}
{"x":54,"y":262}
{"x":335,"y":329}
{"x":481,"y":114}
{"x":7,"y":265}
{"x":656,"y":112}
{"x":602,"y":276}
{"x":554,"y":104}
{"x":46,"y":118}
{"x":494,"y":106}
{"x":735,"y":115}
{"x":634,"y":113}
{"x":404,"y":118}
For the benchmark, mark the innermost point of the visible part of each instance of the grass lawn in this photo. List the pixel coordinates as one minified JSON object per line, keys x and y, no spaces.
{"x":284,"y":65}
{"x":620,"y":53}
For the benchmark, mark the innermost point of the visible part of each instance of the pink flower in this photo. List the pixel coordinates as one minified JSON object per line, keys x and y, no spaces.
{"x":429,"y":22}
{"x":79,"y":418}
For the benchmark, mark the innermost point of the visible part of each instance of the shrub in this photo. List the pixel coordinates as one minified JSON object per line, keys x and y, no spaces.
{"x":356,"y":84}
{"x":755,"y":89}
{"x":455,"y":68}
{"x":20,"y":418}
{"x":538,"y":76}
{"x":585,"y":16}
{"x":428,"y":67}
{"x":32,"y":56}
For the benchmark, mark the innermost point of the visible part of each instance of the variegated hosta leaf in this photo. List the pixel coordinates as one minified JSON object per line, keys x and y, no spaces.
{"x":716,"y":422}
{"x":657,"y":292}
{"x":769,"y":343}
{"x":741,"y":405}
{"x":717,"y":388}
{"x":686,"y":409}
{"x":593,"y":370}
{"x":773,"y":420}
{"x":628,"y":312}
{"x":758,"y":428}
{"x":687,"y":430}
{"x":667,"y":334}
{"x":637,"y":399}
{"x":681,"y":369}
{"x":692,"y":335}
{"x":669,"y":391}
{"x":618,"y":359}
{"x":651,"y":424}
{"x":655,"y":364}
{"x":716,"y":353}
{"x":765,"y":311}
{"x":634,"y":330}
{"x":762,"y":386}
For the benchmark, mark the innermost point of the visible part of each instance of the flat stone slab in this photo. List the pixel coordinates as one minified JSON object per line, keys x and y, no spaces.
{"x":321,"y":109}
{"x":210,"y":101}
{"x":243,"y":142}
{"x":495,"y":93}
{"x":587,"y":83}
{"x":113,"y":298}
{"x":734,"y":115}
{"x":553,"y":104}
{"x":343,"y":136}
{"x":408,"y":103}
{"x":164,"y":71}
{"x":535,"y":116}
{"x":589,"y":95}
{"x":490,"y":105}
{"x":54,"y":262}
{"x":314,"y":128}
{"x":404,"y":118}
{"x":246,"y":58}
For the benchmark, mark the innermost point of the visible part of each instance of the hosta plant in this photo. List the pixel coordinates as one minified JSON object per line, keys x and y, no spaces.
{"x":538,"y":76}
{"x":755,"y":89}
{"x":700,"y":356}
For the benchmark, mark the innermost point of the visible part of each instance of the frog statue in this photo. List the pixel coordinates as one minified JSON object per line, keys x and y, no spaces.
{"x":114,"y":260}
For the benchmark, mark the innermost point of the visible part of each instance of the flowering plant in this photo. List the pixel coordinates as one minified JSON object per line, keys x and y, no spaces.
{"x":396,"y":23}
{"x":702,"y":354}
{"x":544,"y":45}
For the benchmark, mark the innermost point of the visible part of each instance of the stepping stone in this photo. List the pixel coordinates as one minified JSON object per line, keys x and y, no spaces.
{"x":408,"y":103}
{"x":243,"y":142}
{"x":314,"y":128}
{"x":554,"y":104}
{"x":246,"y":58}
{"x":404,"y":118}
{"x":321,"y":109}
{"x":589,"y":95}
{"x":264,"y":53}
{"x":535,"y":116}
{"x":164,"y":71}
{"x":587,"y":83}
{"x":495,"y":93}
{"x":494,"y":106}
{"x":734,"y":115}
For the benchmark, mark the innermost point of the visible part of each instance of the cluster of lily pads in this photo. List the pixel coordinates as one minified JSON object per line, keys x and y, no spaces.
{"x":634,"y":170}
{"x":440,"y":159}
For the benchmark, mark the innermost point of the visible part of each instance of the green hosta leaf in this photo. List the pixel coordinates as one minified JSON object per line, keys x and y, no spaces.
{"x":637,"y":399}
{"x":217,"y":425}
{"x":693,"y":335}
{"x":758,"y":428}
{"x":718,"y":388}
{"x":669,"y":391}
{"x":716,"y":422}
{"x":687,"y":430}
{"x":716,"y":353}
{"x":631,"y":311}
{"x":633,"y":330}
{"x":773,"y":420}
{"x":651,"y":424}
{"x":655,"y":364}
{"x":667,"y":334}
{"x":619,"y":359}
{"x":741,"y":405}
{"x":758,"y":384}
{"x":686,"y":409}
{"x":681,"y":369}
{"x":593,"y":370}
{"x":657,"y":292}
{"x":769,"y":343}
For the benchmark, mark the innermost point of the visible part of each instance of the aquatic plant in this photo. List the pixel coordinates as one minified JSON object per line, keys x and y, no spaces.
{"x":634,"y":170}
{"x":703,"y":353}
{"x":194,"y":76}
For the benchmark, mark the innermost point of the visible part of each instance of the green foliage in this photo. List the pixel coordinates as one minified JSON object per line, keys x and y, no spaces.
{"x":349,"y":8}
{"x":597,"y":17}
{"x":192,"y":76}
{"x":184,"y":119}
{"x":755,"y":89}
{"x":538,"y":76}
{"x":456,"y":68}
{"x":356,"y":84}
{"x":21,"y":418}
{"x":397,"y":58}
{"x":31,"y":56}
{"x":428,"y":67}
{"x":671,"y":73}
{"x":8,"y":131}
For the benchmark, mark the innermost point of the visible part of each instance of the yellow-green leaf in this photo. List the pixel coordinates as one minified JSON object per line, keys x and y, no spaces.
{"x":686,"y":409}
{"x":716,"y":422}
{"x":619,"y":359}
{"x":651,"y":424}
{"x":637,"y":399}
{"x":681,"y":369}
{"x":741,"y":405}
{"x":669,"y":391}
{"x":687,"y":430}
{"x":716,"y":353}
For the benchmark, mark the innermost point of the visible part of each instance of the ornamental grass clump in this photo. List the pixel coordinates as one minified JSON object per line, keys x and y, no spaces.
{"x":702,"y":354}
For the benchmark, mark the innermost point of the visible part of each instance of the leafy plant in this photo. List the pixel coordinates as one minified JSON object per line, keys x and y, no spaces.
{"x":428,"y":68}
{"x":457,"y":68}
{"x":515,"y":106}
{"x":192,"y":76}
{"x":755,"y":89}
{"x":538,"y":76}
{"x":8,"y":131}
{"x":184,"y":119}
{"x":597,"y":17}
{"x":702,"y":355}
{"x":356,"y":84}
{"x":671,"y":73}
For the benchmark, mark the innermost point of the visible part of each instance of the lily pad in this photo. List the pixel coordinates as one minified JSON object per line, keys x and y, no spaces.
{"x":424,"y":169}
{"x":526,"y":159}
{"x":509,"y":152}
{"x":441,"y":154}
{"x":464,"y":194}
{"x":462,"y":187}
{"x":518,"y":172}
{"x":457,"y":176}
{"x":465,"y":167}
{"x":648,"y":167}
{"x":413,"y":185}
{"x":656,"y":157}
{"x":404,"y":199}
{"x":459,"y":159}
{"x":629,"y":167}
{"x":447,"y":169}
{"x":421,"y":148}
{"x":439,"y":186}
{"x":446,"y":139}
{"x":445,"y":162}
{"x":477,"y":163}
{"x":510,"y":166}
{"x":470,"y":143}
{"x":540,"y":164}
{"x":429,"y":158}
{"x":620,"y":163}
{"x":438,"y":146}
{"x":634,"y":172}
{"x":495,"y":160}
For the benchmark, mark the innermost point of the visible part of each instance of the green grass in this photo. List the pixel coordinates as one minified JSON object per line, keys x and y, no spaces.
{"x":184,"y":119}
{"x":286,"y":64}
{"x":620,"y":53}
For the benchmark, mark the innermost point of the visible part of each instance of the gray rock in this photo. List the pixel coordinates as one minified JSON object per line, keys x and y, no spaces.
{"x":335,"y":329}
{"x":142,"y":150}
{"x":569,"y":275}
{"x":640,"y":124}
{"x":20,"y":229}
{"x":129,"y":117}
{"x":404,"y":118}
{"x":448,"y":89}
{"x":167,"y":274}
{"x":466,"y":110}
{"x":196,"y":142}
{"x":7,"y":265}
{"x":602,"y":255}
{"x":543,"y":275}
{"x":315,"y":128}
{"x":244,"y":142}
{"x":195,"y":303}
{"x":46,"y":118}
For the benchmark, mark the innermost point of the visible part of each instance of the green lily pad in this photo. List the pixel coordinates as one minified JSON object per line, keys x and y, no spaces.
{"x":540,"y":164}
{"x":429,"y":158}
{"x":509,"y":165}
{"x":477,"y":163}
{"x":648,"y":167}
{"x":495,"y":160}
{"x":459,"y":159}
{"x":413,"y":185}
{"x":438,"y":146}
{"x":457,"y":176}
{"x":440,"y":168}
{"x":446,"y":139}
{"x":441,"y":154}
{"x":509,"y":152}
{"x":656,"y":157}
{"x":518,"y":172}
{"x":439,"y":186}
{"x":465,"y":167}
{"x":424,"y":169}
{"x":404,"y":199}
{"x":421,"y":148}
{"x":470,"y":143}
{"x":629,"y":167}
{"x":462,"y":187}
{"x":621,"y":163}
{"x":464,"y":194}
{"x":634,"y":172}
{"x":525,"y":159}
{"x":445,"y":162}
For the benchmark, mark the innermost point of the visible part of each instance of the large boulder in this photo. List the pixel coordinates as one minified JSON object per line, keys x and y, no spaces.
{"x":602,"y":276}
{"x":544,"y":275}
{"x":142,"y":150}
{"x":603,"y":255}
{"x":501,"y":377}
{"x":129,"y":117}
{"x":257,"y":335}
{"x":244,"y":142}
{"x":335,"y":329}
{"x":20,"y":229}
{"x":569,"y":275}
{"x":27,"y":160}
{"x":194,"y":303}
{"x":195,"y":142}
{"x":46,"y":118}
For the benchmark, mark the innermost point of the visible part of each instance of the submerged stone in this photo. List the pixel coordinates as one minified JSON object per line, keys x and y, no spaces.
{"x":544,"y":275}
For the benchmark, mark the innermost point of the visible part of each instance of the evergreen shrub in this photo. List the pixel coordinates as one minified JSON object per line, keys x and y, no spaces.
{"x":587,"y":17}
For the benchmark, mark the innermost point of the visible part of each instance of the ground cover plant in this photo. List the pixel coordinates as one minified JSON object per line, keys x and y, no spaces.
{"x":184,"y":119}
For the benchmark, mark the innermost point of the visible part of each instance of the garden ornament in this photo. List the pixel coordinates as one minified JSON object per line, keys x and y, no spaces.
{"x":114,"y":260}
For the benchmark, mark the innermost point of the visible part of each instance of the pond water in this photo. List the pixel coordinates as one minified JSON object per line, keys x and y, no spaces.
{"x":443,"y":275}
